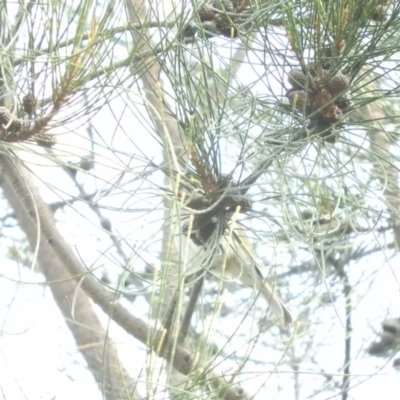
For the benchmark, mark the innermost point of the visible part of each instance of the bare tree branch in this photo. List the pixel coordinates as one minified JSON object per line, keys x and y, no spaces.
{"x":41,"y":218}
{"x":90,"y":337}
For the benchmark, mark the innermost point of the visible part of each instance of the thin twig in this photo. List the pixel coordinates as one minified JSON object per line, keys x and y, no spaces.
{"x":194,"y":296}
{"x":339,"y":267}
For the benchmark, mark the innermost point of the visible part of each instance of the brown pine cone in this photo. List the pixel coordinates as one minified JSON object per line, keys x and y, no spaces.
{"x":321,"y":100}
{"x":299,"y":99}
{"x":206,"y":13}
{"x":338,"y":84}
{"x":45,"y":140}
{"x":297,"y":79}
{"x":11,"y":128}
{"x":5,"y":116}
{"x":332,"y":113}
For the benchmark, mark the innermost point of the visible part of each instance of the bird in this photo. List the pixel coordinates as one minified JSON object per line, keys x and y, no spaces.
{"x":233,"y":257}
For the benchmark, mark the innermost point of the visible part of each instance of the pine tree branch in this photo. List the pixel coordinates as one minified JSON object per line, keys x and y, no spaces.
{"x":41,"y":218}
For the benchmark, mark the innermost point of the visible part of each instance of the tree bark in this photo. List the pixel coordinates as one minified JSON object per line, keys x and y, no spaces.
{"x":90,"y":337}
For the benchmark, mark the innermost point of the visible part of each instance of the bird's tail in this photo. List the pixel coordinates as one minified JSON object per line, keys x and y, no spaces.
{"x":275,"y":302}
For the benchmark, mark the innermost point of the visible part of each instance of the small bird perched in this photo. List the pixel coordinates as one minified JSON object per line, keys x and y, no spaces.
{"x":210,"y":240}
{"x":241,"y":264}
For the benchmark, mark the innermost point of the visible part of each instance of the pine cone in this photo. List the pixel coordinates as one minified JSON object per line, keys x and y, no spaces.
{"x":5,"y":116}
{"x":11,"y":128}
{"x":338,"y":84}
{"x":299,"y":99}
{"x":332,"y":113}
{"x":206,"y":13}
{"x":297,"y":79}
{"x":45,"y":140}
{"x":321,"y":100}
